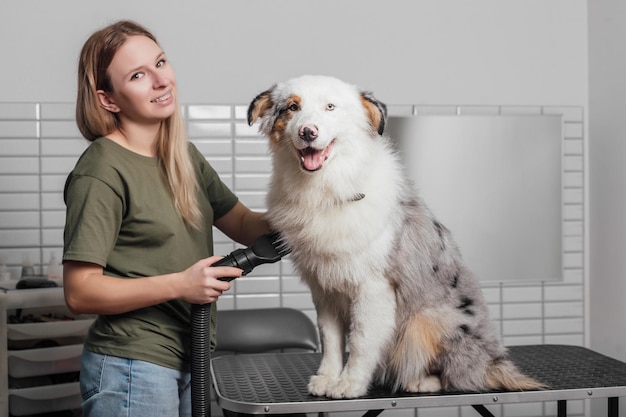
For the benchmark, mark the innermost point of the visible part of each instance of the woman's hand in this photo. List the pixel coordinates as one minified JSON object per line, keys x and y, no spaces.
{"x":200,"y":283}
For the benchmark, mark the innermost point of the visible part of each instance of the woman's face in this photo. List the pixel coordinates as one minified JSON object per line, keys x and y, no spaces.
{"x":144,"y":84}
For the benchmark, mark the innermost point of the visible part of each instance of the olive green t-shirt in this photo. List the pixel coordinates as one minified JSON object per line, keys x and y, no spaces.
{"x":121,"y":215}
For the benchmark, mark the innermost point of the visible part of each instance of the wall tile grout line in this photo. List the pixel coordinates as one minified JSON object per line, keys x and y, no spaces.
{"x":233,"y":166}
{"x":40,"y":183}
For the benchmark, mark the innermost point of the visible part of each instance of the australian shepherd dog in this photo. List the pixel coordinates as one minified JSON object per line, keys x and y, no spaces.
{"x":387,"y":279}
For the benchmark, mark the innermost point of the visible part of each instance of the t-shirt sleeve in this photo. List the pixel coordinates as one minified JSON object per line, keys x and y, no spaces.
{"x":93,"y":219}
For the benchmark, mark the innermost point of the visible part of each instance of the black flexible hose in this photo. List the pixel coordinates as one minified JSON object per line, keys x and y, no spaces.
{"x":268,"y":248}
{"x":201,"y":360}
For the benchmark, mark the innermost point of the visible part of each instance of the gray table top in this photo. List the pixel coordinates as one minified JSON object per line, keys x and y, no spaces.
{"x":276,"y":383}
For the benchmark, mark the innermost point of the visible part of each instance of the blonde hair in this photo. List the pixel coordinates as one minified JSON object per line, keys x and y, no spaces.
{"x":94,"y":121}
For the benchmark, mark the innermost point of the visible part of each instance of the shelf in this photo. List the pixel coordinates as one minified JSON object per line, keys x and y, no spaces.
{"x":36,"y":297}
{"x":44,"y":361}
{"x":29,"y":362}
{"x":44,"y":399}
{"x":48,"y":330}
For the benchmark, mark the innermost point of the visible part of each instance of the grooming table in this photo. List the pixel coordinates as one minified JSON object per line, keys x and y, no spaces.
{"x":276,"y":383}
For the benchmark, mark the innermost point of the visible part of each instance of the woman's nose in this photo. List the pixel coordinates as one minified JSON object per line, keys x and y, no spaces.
{"x":160,"y":80}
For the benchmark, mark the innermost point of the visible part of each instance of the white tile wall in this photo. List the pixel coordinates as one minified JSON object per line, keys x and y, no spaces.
{"x":39,"y":144}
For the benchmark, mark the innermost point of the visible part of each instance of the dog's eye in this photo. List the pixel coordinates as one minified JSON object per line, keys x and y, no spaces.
{"x":294,"y":107}
{"x":330,"y":107}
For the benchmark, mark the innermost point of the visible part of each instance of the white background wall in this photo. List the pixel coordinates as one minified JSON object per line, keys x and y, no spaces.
{"x":448,"y":51}
{"x":482,"y":52}
{"x":607,"y":67}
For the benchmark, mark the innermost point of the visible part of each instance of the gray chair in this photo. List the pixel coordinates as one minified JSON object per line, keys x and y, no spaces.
{"x":264,"y":330}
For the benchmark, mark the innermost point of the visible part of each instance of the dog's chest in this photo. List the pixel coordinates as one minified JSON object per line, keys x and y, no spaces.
{"x":338,"y":247}
{"x":332,"y":227}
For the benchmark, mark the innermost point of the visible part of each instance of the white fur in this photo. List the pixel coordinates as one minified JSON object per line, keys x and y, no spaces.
{"x":341,"y":246}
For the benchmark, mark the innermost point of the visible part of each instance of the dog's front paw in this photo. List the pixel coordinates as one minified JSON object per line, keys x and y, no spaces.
{"x":320,"y":384}
{"x":347,"y":388}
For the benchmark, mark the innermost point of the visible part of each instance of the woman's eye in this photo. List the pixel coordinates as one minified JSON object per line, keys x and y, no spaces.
{"x":294,"y":107}
{"x":136,"y":76}
{"x":330,"y":107}
{"x":160,"y":63}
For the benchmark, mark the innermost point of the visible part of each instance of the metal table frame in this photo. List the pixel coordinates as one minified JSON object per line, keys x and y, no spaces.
{"x":276,"y":383}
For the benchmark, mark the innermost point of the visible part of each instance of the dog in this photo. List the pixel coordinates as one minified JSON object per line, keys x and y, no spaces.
{"x":386,"y":277}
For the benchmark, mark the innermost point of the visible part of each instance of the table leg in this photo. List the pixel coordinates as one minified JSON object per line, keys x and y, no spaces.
{"x":482,"y":410}
{"x":613,"y":407}
{"x":561,"y":407}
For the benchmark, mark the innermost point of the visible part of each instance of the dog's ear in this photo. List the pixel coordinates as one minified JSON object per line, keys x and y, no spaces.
{"x":260,"y":105}
{"x":376,"y":111}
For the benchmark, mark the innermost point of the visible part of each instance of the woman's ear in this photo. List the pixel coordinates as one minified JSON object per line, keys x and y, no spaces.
{"x":106,"y":102}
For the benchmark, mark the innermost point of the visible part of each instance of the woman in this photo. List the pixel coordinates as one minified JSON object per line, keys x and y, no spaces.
{"x":141,"y":201}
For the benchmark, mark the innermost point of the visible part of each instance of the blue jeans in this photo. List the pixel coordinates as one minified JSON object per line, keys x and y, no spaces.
{"x":119,"y":387}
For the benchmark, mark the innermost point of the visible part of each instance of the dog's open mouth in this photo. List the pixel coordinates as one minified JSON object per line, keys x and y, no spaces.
{"x":313,"y":159}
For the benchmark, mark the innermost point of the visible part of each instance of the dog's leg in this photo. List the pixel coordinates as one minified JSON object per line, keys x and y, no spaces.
{"x":372,"y":326}
{"x":419,"y":343}
{"x":332,"y":331}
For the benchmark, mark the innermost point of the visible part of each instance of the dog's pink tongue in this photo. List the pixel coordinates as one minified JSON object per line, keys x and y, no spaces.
{"x":313,"y":159}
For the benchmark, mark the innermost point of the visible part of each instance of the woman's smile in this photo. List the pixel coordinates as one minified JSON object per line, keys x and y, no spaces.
{"x":163,"y":98}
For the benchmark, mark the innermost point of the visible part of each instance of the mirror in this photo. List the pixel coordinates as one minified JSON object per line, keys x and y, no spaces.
{"x":496,"y":183}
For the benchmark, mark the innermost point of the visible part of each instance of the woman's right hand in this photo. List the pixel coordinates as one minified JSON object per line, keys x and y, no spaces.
{"x":201,"y":283}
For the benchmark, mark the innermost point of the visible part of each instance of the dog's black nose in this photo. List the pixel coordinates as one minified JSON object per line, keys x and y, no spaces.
{"x":308,"y":133}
